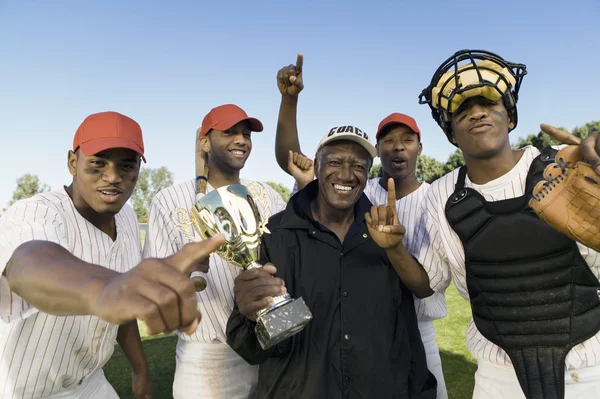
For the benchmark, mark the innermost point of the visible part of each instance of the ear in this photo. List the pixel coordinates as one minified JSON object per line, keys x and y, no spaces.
{"x":420,"y":148}
{"x":205,"y":144}
{"x":72,"y":162}
{"x":377,"y":148}
{"x":316,"y":167}
{"x":511,"y":125}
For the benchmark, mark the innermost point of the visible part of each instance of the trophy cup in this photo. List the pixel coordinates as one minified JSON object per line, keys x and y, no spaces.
{"x":231,"y":211}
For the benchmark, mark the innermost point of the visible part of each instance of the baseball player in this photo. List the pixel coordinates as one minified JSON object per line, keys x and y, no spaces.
{"x":534,"y":292}
{"x":206,"y":366}
{"x":73,"y":279}
{"x":398,"y":146}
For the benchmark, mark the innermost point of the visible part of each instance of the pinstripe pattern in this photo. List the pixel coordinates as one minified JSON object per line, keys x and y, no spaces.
{"x":441,"y":253}
{"x":408,"y":208}
{"x":41,"y":354}
{"x":163,"y":239}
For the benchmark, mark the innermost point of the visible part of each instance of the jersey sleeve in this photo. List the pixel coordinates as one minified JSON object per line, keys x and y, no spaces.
{"x":427,"y":245}
{"x":162,"y":236}
{"x":25,"y":221}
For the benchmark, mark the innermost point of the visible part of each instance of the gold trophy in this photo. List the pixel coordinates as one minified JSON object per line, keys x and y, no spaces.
{"x":231,"y":211}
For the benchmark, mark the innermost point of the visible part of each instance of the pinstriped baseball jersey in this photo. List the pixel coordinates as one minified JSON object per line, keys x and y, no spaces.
{"x":163,"y":238}
{"x":441,"y":253}
{"x":409,"y":211}
{"x":41,"y":354}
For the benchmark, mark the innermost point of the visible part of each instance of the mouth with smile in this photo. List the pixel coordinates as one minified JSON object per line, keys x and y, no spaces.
{"x":110,"y":195}
{"x":343,"y":188}
{"x":238,"y":153}
{"x":480,"y":127}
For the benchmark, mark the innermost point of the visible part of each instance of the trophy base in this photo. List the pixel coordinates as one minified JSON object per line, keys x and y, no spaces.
{"x":282,"y":322}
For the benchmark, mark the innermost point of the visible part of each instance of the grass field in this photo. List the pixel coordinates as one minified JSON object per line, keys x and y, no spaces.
{"x":459,"y":367}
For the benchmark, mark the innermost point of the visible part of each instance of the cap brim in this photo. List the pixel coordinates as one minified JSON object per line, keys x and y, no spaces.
{"x":96,"y":146}
{"x":390,"y":123}
{"x":255,"y":124}
{"x":358,"y":140}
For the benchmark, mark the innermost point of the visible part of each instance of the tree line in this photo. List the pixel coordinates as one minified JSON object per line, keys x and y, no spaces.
{"x":151,"y":181}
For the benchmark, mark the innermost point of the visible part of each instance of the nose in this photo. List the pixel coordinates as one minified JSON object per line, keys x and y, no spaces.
{"x":111,"y":174}
{"x":345,"y":172}
{"x":477,"y":112}
{"x":240,"y":139}
{"x":399,"y":146}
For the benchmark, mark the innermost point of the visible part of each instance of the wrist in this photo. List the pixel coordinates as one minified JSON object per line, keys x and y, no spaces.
{"x":397,"y":249}
{"x":289,"y":98}
{"x":140,"y":370}
{"x":92,"y":292}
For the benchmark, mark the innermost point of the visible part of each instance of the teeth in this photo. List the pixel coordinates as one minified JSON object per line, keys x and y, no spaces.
{"x":109,"y":192}
{"x":342,"y":188}
{"x":237,"y":152}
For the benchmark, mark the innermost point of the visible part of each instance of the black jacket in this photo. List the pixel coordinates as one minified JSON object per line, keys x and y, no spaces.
{"x":363,"y":340}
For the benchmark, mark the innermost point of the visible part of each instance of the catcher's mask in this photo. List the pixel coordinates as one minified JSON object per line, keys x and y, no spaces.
{"x":480,"y":73}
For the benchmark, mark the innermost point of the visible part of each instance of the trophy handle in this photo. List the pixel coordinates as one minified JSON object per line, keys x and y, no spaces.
{"x":258,"y":194}
{"x":182,"y":221}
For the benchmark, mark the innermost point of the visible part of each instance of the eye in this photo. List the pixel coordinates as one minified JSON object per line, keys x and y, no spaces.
{"x":97,"y":162}
{"x":334,"y":163}
{"x":128,"y":166}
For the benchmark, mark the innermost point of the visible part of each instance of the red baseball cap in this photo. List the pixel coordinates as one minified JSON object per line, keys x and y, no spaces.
{"x":395,"y":119}
{"x":104,"y":130}
{"x":225,"y":116}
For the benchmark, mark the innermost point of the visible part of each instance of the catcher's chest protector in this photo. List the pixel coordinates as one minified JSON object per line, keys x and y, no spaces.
{"x":531,"y":292}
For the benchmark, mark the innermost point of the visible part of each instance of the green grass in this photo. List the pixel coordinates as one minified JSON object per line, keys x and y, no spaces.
{"x":459,"y":367}
{"x":458,"y":364}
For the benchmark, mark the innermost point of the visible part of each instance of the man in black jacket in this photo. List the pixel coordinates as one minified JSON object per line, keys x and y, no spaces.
{"x":339,"y":253}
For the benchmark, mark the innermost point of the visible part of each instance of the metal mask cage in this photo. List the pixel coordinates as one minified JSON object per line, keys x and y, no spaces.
{"x":509,"y":96}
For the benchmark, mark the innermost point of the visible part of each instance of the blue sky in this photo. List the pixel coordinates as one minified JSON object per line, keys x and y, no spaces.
{"x":166,"y":64}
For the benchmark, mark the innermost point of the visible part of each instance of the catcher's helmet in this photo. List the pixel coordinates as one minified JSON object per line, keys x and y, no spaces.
{"x":482,"y":74}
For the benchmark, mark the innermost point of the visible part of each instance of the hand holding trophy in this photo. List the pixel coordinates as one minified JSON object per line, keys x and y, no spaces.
{"x":231,"y":211}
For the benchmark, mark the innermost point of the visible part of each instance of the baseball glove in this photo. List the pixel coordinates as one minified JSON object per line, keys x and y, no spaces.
{"x":568,"y":198}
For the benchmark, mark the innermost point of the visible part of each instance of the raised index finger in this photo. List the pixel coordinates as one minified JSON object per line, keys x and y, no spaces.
{"x":192,"y":253}
{"x":299,"y":62}
{"x":391,"y":193}
{"x":560,"y":135}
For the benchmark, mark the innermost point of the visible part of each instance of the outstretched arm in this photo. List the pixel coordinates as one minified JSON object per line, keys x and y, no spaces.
{"x":290,"y":84}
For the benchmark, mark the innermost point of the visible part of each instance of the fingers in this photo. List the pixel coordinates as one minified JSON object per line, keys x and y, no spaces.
{"x":299,"y":63}
{"x":304,"y":163}
{"x":300,"y":161}
{"x":162,"y":314}
{"x":174,"y":294}
{"x":290,"y":159}
{"x":391,"y":193}
{"x":271,"y":269}
{"x":192,"y":254}
{"x":382,"y":214}
{"x":373,"y":220}
{"x":280,"y":81}
{"x":253,"y":274}
{"x":255,"y":288}
{"x":560,"y":135}
{"x":397,"y":229}
{"x":590,"y":148}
